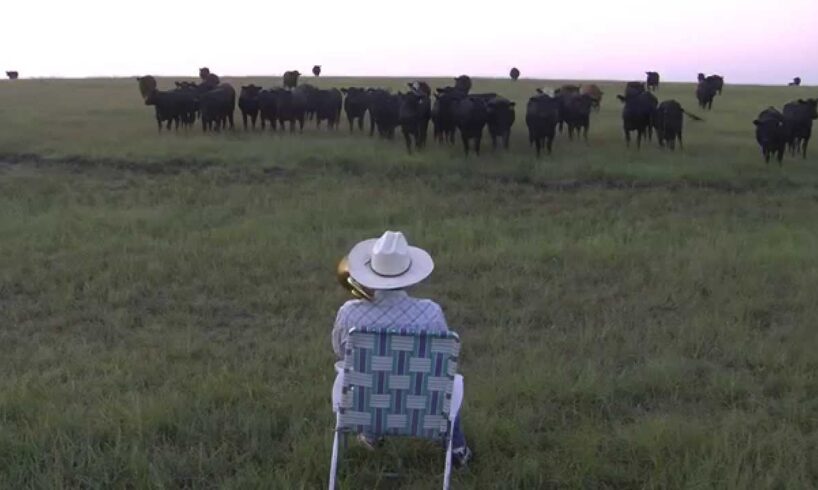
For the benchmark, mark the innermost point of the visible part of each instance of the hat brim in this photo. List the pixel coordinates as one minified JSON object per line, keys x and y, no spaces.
{"x":359,"y":258}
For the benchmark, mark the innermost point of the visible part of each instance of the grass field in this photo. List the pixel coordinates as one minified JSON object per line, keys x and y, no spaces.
{"x":630,"y":319}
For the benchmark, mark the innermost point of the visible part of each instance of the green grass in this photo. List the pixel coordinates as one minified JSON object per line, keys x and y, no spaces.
{"x":630,"y":319}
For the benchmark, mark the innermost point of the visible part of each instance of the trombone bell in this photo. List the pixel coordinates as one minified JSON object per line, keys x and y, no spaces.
{"x":357,"y":290}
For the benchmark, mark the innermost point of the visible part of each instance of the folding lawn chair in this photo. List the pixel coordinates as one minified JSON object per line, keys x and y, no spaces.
{"x":398,"y":383}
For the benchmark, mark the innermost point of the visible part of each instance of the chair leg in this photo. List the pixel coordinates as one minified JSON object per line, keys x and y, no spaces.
{"x":447,"y":473}
{"x":333,"y":467}
{"x":457,"y":401}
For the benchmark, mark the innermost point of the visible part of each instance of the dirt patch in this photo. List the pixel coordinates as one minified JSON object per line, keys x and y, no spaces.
{"x":251,"y":173}
{"x":173,"y":166}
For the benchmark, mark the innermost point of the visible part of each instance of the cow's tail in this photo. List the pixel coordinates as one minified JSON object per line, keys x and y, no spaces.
{"x":692,"y":116}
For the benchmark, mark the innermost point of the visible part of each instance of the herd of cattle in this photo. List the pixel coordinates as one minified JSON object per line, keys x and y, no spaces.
{"x":456,"y":109}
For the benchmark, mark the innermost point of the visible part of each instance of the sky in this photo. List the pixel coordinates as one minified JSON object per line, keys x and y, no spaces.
{"x":747,"y":41}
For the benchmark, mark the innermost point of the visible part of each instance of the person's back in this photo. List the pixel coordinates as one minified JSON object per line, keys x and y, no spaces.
{"x":388,"y":309}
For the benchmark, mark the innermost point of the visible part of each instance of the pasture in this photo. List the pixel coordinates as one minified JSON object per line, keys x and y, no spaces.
{"x":630,"y":319}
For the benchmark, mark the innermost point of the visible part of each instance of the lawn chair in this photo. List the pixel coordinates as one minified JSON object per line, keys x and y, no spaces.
{"x":398,"y":383}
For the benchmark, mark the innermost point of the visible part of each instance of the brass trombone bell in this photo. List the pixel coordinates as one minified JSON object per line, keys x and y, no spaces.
{"x":357,"y":290}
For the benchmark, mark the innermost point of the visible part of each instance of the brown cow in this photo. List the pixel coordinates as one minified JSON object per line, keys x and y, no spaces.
{"x":593,"y":91}
{"x":290,"y":78}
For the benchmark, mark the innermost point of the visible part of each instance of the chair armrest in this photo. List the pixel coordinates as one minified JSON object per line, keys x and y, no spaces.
{"x":457,"y":396}
{"x":337,"y":390}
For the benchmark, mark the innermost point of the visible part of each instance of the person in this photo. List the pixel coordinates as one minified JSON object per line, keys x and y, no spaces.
{"x":388,"y":266}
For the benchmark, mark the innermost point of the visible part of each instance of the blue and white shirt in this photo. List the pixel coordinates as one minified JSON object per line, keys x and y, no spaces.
{"x":389,"y":309}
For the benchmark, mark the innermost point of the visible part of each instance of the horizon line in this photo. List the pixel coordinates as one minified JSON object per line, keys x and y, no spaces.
{"x":401,"y":77}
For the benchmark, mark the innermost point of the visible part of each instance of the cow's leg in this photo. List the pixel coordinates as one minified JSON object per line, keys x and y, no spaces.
{"x":506,"y":138}
{"x":538,"y":143}
{"x":639,"y":133}
{"x":408,"y":138}
{"x":477,"y":143}
{"x":549,"y":143}
{"x":627,"y":138}
{"x":585,"y":131}
{"x":159,"y":123}
{"x":254,"y":118}
{"x":681,"y":143}
{"x":494,"y":142}
{"x":804,"y":144}
{"x":465,"y":143}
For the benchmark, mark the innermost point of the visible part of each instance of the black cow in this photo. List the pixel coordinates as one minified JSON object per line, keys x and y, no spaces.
{"x":171,"y":107}
{"x":267,"y":106}
{"x":443,"y":113}
{"x":700,"y":77}
{"x":413,"y":114}
{"x":771,"y":134}
{"x":311,"y":97}
{"x":384,"y":112}
{"x":634,"y":88}
{"x":217,"y":107}
{"x":471,"y":116}
{"x":576,"y":112}
{"x":248,"y":104}
{"x":501,"y":116}
{"x":356,"y":104}
{"x":514,"y":74}
{"x":798,"y":117}
{"x":191,"y":103}
{"x":329,"y":108}
{"x":637,"y":114}
{"x":290,"y":78}
{"x":420,"y":87}
{"x":716,"y":81}
{"x":653,"y":80}
{"x":541,"y":119}
{"x":668,"y":121}
{"x":706,"y":91}
{"x":796,"y":82}
{"x":290,"y":107}
{"x":562,"y":95}
{"x":209,"y":80}
{"x":463,"y":83}
{"x":13,"y":75}
{"x":316,"y":70}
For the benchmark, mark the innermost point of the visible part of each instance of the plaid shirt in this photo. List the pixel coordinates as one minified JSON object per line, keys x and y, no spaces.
{"x":390,"y":309}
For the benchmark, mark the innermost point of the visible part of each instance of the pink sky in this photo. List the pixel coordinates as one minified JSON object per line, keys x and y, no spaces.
{"x":748,"y":41}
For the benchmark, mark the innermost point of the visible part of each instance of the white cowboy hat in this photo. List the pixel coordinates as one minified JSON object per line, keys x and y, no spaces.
{"x":389,"y":262}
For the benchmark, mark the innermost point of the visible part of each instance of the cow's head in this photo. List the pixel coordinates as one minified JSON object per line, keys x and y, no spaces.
{"x":463,"y":82}
{"x":250,"y":90}
{"x":147,"y":86}
{"x":812,"y":107}
{"x":204,"y":72}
